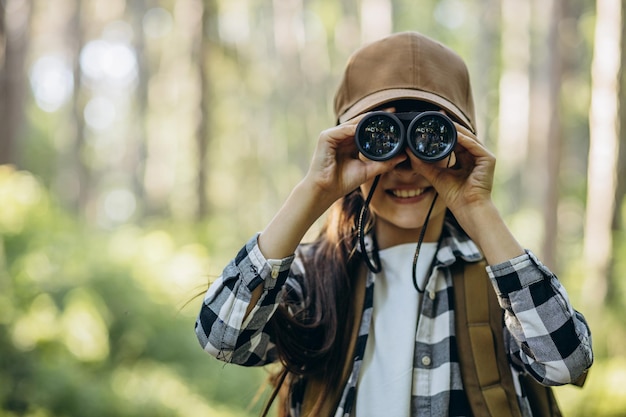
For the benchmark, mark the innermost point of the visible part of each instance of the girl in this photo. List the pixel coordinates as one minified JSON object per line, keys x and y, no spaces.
{"x":362,"y":319}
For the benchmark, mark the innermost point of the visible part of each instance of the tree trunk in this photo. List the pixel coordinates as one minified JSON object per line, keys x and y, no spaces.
{"x":136,"y":165}
{"x":14,"y":37}
{"x":603,"y":149}
{"x":376,"y":19}
{"x":81,"y":172}
{"x":485,"y":71}
{"x":619,"y":222}
{"x":514,"y":98}
{"x":201,"y":52}
{"x":553,"y":149}
{"x":5,"y":144}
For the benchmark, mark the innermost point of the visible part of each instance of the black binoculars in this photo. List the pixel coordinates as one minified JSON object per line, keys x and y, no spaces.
{"x":430,"y":135}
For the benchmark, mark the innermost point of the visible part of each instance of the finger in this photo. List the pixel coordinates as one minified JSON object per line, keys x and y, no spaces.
{"x":468,"y":143}
{"x":380,"y":167}
{"x":463,"y":128}
{"x":470,"y":146}
{"x":338,"y":134}
{"x":464,"y":135}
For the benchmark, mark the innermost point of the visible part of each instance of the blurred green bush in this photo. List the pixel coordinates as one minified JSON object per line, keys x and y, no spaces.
{"x":95,"y":323}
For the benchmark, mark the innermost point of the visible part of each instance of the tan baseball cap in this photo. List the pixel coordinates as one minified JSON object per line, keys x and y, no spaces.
{"x":405,"y":65}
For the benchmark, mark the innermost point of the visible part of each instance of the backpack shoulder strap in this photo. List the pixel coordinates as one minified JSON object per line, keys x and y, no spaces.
{"x":485,"y":370}
{"x":484,"y":364}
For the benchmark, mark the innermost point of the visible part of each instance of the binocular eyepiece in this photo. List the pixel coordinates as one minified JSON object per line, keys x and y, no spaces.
{"x":430,"y":135}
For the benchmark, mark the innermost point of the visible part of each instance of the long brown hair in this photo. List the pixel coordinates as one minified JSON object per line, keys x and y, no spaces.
{"x":311,"y":342}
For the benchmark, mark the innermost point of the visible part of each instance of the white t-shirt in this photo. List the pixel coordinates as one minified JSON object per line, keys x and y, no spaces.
{"x":384,"y":387}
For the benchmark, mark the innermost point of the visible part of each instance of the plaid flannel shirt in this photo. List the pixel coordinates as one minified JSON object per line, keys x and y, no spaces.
{"x":544,"y":335}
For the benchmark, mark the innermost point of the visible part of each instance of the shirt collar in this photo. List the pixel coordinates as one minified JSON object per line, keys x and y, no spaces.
{"x":455,"y":244}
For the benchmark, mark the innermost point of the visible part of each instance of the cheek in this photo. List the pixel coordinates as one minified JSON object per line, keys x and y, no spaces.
{"x":378,"y":203}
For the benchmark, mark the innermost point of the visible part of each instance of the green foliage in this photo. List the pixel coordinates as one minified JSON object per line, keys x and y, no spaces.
{"x":604,"y":393}
{"x":87,"y":325}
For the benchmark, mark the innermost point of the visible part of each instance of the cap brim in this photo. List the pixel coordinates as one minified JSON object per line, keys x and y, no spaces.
{"x":379,"y":98}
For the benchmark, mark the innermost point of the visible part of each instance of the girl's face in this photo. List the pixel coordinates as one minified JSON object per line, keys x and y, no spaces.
{"x":403,"y":196}
{"x":401,"y":202}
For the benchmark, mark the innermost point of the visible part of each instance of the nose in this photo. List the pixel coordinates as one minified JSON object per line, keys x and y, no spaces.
{"x":407,"y":164}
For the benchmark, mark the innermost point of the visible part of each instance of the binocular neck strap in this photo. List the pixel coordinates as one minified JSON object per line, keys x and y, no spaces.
{"x":419,"y":245}
{"x":374,"y":264}
{"x":421,"y":238}
{"x":375,"y":267}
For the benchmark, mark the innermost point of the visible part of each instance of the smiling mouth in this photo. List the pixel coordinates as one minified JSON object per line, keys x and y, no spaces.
{"x":408,"y":193}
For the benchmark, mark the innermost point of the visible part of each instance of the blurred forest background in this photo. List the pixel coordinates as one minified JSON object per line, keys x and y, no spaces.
{"x":142,"y":142}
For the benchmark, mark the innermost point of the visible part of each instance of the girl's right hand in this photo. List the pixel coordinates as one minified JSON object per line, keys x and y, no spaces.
{"x":338,"y":168}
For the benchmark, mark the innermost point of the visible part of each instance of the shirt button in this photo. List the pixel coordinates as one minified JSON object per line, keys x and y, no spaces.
{"x":426,"y":361}
{"x":275,"y":265}
{"x":431,"y":295}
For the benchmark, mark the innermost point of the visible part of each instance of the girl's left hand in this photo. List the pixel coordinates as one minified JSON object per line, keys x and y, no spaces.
{"x":466,"y":190}
{"x":468,"y":183}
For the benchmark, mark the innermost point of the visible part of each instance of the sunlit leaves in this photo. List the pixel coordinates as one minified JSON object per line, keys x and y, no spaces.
{"x":20,"y":193}
{"x":95,"y":323}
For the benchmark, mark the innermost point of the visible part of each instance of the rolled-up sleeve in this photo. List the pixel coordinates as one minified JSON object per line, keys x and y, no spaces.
{"x":220,"y":326}
{"x":543,"y":332}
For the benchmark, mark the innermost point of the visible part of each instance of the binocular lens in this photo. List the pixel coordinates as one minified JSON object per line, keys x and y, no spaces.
{"x":381,"y":135}
{"x":432,"y":137}
{"x":380,"y":138}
